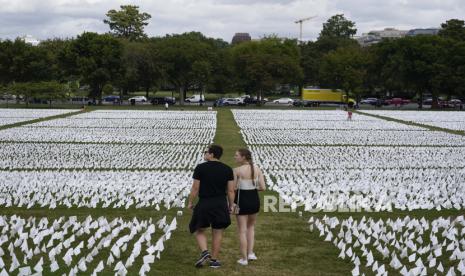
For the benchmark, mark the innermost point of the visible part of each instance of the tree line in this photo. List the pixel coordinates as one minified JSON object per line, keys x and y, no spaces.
{"x":127,"y":60}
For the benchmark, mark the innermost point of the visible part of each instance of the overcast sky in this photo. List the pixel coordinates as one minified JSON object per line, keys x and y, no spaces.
{"x":222,"y":18}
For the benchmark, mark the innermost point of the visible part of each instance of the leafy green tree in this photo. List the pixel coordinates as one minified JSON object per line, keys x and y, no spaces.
{"x":344,"y":68}
{"x":22,"y":62}
{"x":222,"y":78}
{"x":384,"y":73}
{"x":412,"y":64}
{"x":451,"y":64}
{"x":262,"y":65}
{"x":143,"y":67}
{"x":53,"y":49}
{"x":450,"y":69}
{"x":39,"y":90}
{"x":187,"y":59}
{"x":419,"y":65}
{"x":128,"y":22}
{"x":107,"y":89}
{"x":313,"y":52}
{"x":201,"y":74}
{"x":337,"y":33}
{"x":338,"y":27}
{"x":453,"y":29}
{"x":96,"y":59}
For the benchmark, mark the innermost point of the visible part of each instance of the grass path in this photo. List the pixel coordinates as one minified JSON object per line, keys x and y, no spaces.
{"x":284,"y":243}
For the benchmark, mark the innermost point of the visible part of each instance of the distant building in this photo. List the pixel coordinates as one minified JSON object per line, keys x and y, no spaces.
{"x":429,"y":31}
{"x":241,"y":37}
{"x":30,"y":40}
{"x":374,"y":37}
{"x":389,"y":33}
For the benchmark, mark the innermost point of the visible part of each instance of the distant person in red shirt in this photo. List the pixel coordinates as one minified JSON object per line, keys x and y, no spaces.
{"x":349,"y":115}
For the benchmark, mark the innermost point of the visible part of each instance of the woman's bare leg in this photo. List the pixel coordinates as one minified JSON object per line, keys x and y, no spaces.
{"x":242,"y":233}
{"x":251,"y":219}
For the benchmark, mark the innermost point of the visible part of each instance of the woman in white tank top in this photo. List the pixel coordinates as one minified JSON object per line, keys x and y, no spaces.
{"x":249,"y":180}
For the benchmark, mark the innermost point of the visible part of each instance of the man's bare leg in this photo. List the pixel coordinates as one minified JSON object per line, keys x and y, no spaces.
{"x":216,"y":242}
{"x":201,"y":238}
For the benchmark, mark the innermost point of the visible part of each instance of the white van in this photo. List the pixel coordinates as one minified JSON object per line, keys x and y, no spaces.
{"x":196,"y":99}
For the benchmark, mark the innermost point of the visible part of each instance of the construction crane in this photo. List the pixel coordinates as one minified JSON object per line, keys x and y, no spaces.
{"x":301,"y":21}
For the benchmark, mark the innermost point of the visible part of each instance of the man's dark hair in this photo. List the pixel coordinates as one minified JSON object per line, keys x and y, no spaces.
{"x":216,"y":150}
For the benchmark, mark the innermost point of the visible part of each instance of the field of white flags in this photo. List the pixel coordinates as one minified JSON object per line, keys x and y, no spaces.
{"x":10,"y":116}
{"x":321,"y":162}
{"x":99,"y":160}
{"x":119,"y":127}
{"x":454,"y":120}
{"x":95,"y":189}
{"x":144,"y":164}
{"x":41,"y":156}
{"x":278,"y":127}
{"x":88,"y":246}
{"x":402,"y":246}
{"x":352,"y":167}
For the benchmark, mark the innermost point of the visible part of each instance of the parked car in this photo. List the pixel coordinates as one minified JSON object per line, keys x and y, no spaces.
{"x":253,"y":100}
{"x":138,"y":99}
{"x":7,"y":97}
{"x":195,"y":99}
{"x":233,"y":101}
{"x":111,"y":99}
{"x":163,"y":100}
{"x":371,"y":101}
{"x":218,"y":102}
{"x":428,"y":101}
{"x":80,"y":99}
{"x":441,"y":102}
{"x":455,"y":102}
{"x":449,"y":104}
{"x":381,"y":102}
{"x":397,"y":101}
{"x":302,"y":103}
{"x":284,"y":101}
{"x":38,"y":101}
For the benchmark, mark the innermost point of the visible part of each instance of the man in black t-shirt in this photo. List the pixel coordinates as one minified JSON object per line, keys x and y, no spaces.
{"x":213,"y":182}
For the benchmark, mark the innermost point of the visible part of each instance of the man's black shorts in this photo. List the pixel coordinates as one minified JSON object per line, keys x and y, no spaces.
{"x":210,"y":212}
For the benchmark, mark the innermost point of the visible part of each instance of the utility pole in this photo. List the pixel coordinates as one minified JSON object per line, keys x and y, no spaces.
{"x":300,"y":22}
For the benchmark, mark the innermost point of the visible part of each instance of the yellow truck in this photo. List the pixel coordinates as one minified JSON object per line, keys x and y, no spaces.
{"x":318,"y":95}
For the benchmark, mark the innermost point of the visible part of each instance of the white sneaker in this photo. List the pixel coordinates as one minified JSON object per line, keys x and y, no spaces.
{"x":252,"y":257}
{"x":242,"y":262}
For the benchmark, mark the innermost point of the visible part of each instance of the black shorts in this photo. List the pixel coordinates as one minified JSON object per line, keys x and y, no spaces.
{"x":210,"y":212}
{"x":249,"y":202}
